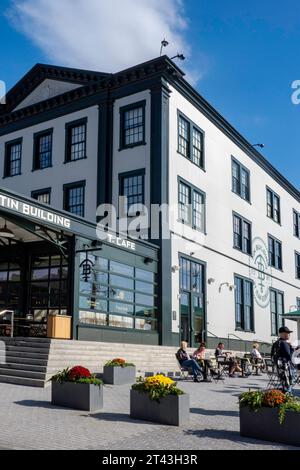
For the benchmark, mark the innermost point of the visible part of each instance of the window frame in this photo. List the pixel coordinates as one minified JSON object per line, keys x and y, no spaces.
{"x":296,"y":227}
{"x":122,"y":111}
{"x":241,"y":167}
{"x":297,"y":255}
{"x":276,"y":292}
{"x":7,"y":155}
{"x":275,"y":241}
{"x":273,"y":195}
{"x":243,"y":221}
{"x":193,"y":189}
{"x":66,"y":188}
{"x":40,"y":192}
{"x":68,"y":145}
{"x":244,"y":280}
{"x":36,"y":154}
{"x":192,"y":127}
{"x":129,"y":174}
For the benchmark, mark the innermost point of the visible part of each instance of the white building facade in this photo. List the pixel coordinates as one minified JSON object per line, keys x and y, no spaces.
{"x":229,"y":267}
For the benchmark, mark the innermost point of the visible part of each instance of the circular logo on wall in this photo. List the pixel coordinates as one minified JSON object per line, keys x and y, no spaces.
{"x":260,"y":272}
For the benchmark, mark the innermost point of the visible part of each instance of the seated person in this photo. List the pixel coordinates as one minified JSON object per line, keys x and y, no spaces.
{"x":230,"y":360}
{"x":185,"y":360}
{"x":256,"y":358}
{"x":199,"y":356}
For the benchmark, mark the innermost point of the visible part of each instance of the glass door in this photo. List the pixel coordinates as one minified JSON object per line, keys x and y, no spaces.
{"x":192,"y":301}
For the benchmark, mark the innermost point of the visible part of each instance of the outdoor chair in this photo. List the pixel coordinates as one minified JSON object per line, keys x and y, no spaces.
{"x":185,"y":372}
{"x":223,"y":367}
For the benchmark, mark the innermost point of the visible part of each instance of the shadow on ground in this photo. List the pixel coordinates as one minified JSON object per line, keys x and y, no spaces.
{"x":202,"y":411}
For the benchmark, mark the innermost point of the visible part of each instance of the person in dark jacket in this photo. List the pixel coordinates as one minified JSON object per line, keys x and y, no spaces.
{"x":285,"y":356}
{"x":185,"y":360}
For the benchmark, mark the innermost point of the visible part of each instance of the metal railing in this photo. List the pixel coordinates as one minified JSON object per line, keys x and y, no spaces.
{"x":12,"y":317}
{"x":231,"y":335}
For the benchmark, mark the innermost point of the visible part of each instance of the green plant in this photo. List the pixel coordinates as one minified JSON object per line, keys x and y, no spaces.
{"x":256,"y":400}
{"x":157,"y":387}
{"x":78,"y":375}
{"x":119,"y":363}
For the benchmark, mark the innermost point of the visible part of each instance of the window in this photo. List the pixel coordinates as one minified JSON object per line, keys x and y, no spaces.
{"x":43,"y":195}
{"x":117,"y":295}
{"x":277,"y":311}
{"x":240,"y":180}
{"x":42,"y":150}
{"x":191,"y":206}
{"x":132,"y":125}
{"x":275,"y":253}
{"x":190,"y":141}
{"x":76,"y":133}
{"x":132,"y":187}
{"x":242,"y":234}
{"x":296,"y":220}
{"x":298,"y":304}
{"x":273,"y":206}
{"x":297,"y":259}
{"x":74,"y":198}
{"x":244,"y":309}
{"x":13,"y":155}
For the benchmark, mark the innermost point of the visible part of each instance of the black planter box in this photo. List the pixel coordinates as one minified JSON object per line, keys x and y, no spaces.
{"x":172,"y":410}
{"x":83,"y":397}
{"x":264,"y":425}
{"x":119,"y":375}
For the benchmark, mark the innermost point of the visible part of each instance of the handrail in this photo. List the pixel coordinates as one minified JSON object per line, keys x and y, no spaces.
{"x":12,"y":316}
{"x":237,"y":337}
{"x":212,"y":334}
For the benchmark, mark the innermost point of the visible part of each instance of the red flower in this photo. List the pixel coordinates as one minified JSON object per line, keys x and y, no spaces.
{"x":119,"y":361}
{"x":79,"y":372}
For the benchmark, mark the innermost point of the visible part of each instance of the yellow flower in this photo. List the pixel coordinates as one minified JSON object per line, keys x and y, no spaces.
{"x":158,"y":380}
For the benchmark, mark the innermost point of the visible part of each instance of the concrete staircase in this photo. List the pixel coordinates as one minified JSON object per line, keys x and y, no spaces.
{"x":32,"y":361}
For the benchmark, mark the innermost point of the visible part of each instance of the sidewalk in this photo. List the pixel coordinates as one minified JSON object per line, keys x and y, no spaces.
{"x":28,"y":421}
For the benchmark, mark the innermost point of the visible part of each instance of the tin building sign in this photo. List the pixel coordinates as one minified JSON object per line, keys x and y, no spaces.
{"x":34,"y":212}
{"x":260,"y":272}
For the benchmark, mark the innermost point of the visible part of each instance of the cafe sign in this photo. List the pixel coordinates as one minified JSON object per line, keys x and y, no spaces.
{"x":34,"y":212}
{"x":121,"y":242}
{"x":260,"y":272}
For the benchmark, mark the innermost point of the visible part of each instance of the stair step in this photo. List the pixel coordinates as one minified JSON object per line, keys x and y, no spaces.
{"x":24,"y":367}
{"x":22,"y":373}
{"x":22,"y":381}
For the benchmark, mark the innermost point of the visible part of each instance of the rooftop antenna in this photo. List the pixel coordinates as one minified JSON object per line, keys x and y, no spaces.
{"x":164,"y":43}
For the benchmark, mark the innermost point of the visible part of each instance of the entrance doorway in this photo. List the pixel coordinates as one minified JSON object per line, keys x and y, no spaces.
{"x":192,"y":301}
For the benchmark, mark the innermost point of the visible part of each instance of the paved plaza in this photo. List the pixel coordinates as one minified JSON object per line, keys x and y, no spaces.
{"x":28,"y":421}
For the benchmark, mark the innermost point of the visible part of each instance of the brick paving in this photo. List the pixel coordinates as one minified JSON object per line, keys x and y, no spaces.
{"x":28,"y":421}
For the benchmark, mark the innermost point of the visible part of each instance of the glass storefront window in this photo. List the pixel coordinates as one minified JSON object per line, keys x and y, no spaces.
{"x":123,"y":269}
{"x":128,"y":292}
{"x":121,"y":322}
{"x":144,"y":275}
{"x":144,"y":287}
{"x":40,"y":274}
{"x":14,"y":276}
{"x":119,"y":281}
{"x":142,"y":299}
{"x":146,"y":325}
{"x":93,"y":318}
{"x":119,"y":294}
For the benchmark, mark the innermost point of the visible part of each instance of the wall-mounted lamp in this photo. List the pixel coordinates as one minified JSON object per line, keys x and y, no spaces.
{"x":262,"y":146}
{"x":231,"y":287}
{"x":293,"y":308}
{"x":211,"y":280}
{"x":175,"y":269}
{"x":97,"y":244}
{"x":148,"y":261}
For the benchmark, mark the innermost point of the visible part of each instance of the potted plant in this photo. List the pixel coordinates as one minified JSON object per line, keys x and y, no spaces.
{"x":158,"y":399}
{"x":77,"y":388}
{"x":119,"y":372}
{"x":271,"y":416}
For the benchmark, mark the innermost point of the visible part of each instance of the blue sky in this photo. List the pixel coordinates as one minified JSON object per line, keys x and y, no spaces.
{"x":245,"y":54}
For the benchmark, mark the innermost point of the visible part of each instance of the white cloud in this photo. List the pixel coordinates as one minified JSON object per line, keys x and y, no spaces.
{"x":105,"y":35}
